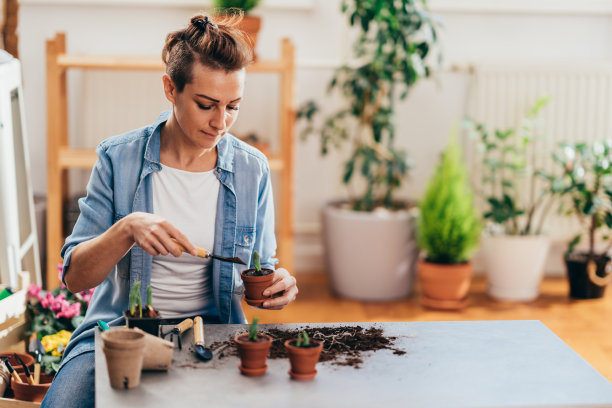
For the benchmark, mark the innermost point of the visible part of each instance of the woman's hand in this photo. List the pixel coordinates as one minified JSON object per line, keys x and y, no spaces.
{"x":284,"y":286}
{"x":154,"y":235}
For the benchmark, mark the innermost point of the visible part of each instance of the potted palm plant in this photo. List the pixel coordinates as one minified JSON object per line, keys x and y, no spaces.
{"x":250,"y":24}
{"x":517,"y":195}
{"x":448,"y":232}
{"x":393,"y":50}
{"x":585,"y":186}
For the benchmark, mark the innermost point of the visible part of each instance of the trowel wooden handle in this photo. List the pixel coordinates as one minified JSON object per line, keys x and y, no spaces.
{"x":202,"y":253}
{"x":198,"y":330}
{"x":184,"y":325}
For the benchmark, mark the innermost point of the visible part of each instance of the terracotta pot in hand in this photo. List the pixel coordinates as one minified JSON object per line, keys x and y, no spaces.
{"x":124,"y":351}
{"x":253,"y":354}
{"x":303,"y":359}
{"x":255,"y":284}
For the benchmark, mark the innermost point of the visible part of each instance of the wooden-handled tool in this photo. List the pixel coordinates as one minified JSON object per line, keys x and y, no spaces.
{"x":12,"y":371}
{"x":26,"y":370}
{"x":201,"y":351}
{"x":203,"y":253}
{"x":179,"y":329}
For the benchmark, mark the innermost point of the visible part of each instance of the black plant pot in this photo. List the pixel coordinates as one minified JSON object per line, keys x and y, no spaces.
{"x":581,"y":285}
{"x":148,"y":324}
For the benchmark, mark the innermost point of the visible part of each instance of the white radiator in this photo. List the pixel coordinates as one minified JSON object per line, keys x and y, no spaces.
{"x":579,"y":109}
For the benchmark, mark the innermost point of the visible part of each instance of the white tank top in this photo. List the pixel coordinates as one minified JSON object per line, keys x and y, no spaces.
{"x":183,"y":286}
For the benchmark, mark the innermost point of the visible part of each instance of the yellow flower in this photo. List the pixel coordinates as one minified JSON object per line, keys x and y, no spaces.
{"x":53,"y":341}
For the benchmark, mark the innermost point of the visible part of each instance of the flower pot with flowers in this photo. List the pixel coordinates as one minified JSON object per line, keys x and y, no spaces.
{"x":370,"y":249}
{"x":585,"y":188}
{"x":54,"y":316}
{"x":448,"y":232}
{"x":518,"y":199}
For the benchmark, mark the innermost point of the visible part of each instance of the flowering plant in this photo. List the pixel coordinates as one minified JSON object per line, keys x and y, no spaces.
{"x":55,"y":315}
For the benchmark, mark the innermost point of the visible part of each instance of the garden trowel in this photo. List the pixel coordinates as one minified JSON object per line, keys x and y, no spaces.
{"x":201,"y":351}
{"x":203,"y":253}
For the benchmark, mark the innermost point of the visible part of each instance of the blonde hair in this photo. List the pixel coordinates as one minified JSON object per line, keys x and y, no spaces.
{"x":218,"y":44}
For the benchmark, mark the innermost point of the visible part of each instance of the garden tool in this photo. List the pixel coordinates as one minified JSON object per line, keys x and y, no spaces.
{"x":201,"y":351}
{"x":36,"y":348}
{"x":178,"y":330}
{"x":203,"y":253}
{"x":12,"y":371}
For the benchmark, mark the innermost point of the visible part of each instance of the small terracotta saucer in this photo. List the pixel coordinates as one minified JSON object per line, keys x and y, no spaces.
{"x":257,"y":303}
{"x":302,"y":377}
{"x":445,"y":304}
{"x":252,"y":372}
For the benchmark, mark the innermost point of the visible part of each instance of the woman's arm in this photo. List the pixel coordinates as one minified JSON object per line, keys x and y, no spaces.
{"x":93,"y":259}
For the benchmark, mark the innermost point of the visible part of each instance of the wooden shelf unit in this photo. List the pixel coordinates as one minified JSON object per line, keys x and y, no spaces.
{"x":61,"y":157}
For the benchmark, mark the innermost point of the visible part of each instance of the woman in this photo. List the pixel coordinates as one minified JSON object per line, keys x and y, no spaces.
{"x":183,"y":178}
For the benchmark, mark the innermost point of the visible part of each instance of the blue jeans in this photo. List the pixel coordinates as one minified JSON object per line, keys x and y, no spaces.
{"x":74,"y":384}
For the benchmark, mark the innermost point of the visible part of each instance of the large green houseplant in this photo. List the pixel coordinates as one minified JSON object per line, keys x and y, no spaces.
{"x":394,"y":46}
{"x":585,"y":188}
{"x":448,"y":232}
{"x":517,"y":199}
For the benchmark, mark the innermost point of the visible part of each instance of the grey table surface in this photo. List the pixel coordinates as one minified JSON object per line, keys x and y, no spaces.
{"x":447,"y":364}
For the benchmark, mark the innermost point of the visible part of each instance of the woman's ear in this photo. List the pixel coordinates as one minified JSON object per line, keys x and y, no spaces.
{"x":169,"y":88}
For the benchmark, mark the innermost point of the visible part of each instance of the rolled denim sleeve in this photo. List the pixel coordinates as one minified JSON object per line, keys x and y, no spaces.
{"x":265,"y":243}
{"x":96,"y":208}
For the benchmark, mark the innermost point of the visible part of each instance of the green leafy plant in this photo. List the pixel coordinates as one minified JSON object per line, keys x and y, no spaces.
{"x":449,"y":227}
{"x":585,"y":189}
{"x":244,"y":5}
{"x":256,"y":261}
{"x":302,"y":339}
{"x":135,"y":299}
{"x":395,"y":42}
{"x":253,"y":329}
{"x":509,"y":161}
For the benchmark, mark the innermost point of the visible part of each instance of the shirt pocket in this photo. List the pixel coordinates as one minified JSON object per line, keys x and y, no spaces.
{"x":245,"y":239}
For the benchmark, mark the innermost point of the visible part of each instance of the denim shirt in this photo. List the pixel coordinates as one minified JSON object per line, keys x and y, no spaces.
{"x":121,"y":183}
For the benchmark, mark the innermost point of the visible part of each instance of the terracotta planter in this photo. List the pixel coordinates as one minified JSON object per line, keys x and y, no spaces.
{"x":157,"y":352}
{"x":253,"y":354}
{"x":251,"y":25}
{"x":124,"y":351}
{"x":303,"y":359}
{"x":148,"y":324}
{"x":445,"y":286}
{"x":26,"y":358}
{"x":255,"y":285}
{"x":585,"y":283}
{"x":35,"y":392}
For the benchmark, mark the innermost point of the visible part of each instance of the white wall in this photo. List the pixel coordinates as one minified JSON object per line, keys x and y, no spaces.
{"x":474,"y":31}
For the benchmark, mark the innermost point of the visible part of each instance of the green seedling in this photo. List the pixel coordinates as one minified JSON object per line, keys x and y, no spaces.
{"x":135,"y":299}
{"x":149,"y":297}
{"x":256,"y":261}
{"x":253,"y":329}
{"x":303,"y":340}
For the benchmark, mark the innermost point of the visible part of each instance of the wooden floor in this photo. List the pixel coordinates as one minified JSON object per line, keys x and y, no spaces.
{"x":585,"y":325}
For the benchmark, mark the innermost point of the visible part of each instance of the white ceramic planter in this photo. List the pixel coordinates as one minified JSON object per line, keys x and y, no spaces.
{"x":370,"y":256}
{"x":514,"y":265}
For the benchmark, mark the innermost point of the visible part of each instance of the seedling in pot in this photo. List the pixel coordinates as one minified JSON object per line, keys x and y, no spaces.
{"x":256,"y":280}
{"x":302,"y":340}
{"x":143,"y":317}
{"x":253,"y":348}
{"x":303,"y":355}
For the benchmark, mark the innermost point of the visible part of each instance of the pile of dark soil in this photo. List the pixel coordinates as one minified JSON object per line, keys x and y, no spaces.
{"x":342,"y":346}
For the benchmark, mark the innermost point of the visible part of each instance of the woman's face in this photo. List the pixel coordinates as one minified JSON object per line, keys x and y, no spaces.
{"x":208,"y":106}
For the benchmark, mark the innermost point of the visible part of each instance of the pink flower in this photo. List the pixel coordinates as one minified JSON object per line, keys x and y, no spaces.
{"x":34,"y":291}
{"x":69,"y":311}
{"x":60,"y":270}
{"x":46,"y":301}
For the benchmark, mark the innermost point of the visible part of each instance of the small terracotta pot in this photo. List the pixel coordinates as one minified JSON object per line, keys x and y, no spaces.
{"x":124,"y":351}
{"x":35,"y":392}
{"x":445,"y":286}
{"x":303,"y":359}
{"x":251,"y":25}
{"x":157,"y":352}
{"x":27,"y":359}
{"x":255,"y":285}
{"x":253,"y":354}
